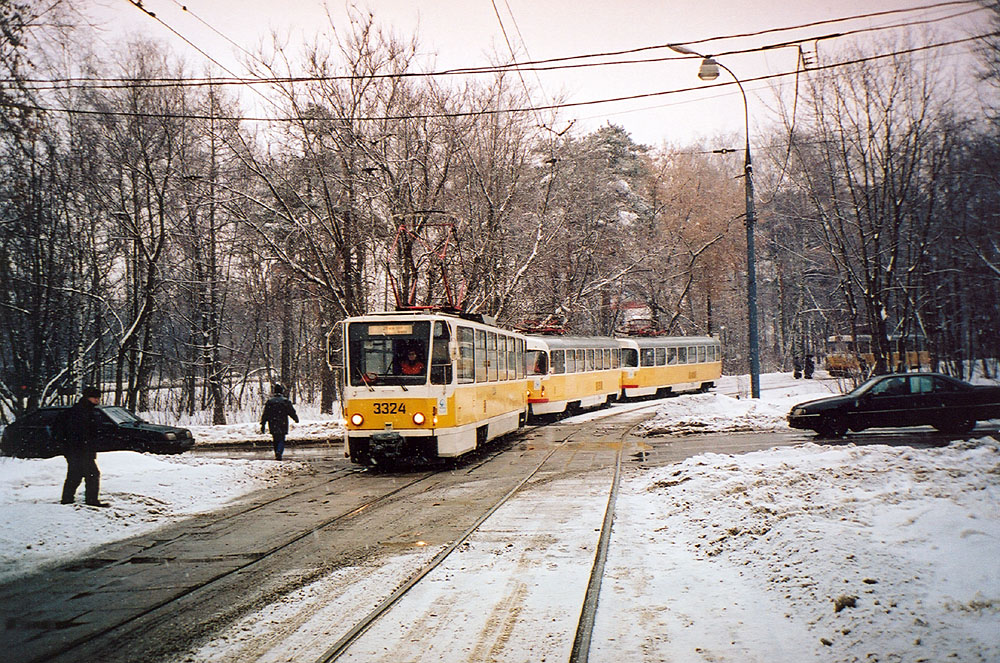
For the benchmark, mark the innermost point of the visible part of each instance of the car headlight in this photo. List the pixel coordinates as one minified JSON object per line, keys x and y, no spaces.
{"x":798,"y":412}
{"x":357,"y":419}
{"x":170,"y":436}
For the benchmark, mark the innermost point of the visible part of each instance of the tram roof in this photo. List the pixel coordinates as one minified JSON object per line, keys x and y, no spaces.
{"x":670,"y":341}
{"x":562,"y":342}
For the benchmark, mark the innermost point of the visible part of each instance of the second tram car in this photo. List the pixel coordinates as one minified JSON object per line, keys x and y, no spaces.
{"x":571,"y":373}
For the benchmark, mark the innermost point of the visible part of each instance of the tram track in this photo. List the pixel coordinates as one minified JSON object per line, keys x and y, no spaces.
{"x":110,"y":633}
{"x":589,"y":596}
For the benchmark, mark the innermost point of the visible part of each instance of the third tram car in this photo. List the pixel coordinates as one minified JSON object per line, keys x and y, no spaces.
{"x":662,"y":364}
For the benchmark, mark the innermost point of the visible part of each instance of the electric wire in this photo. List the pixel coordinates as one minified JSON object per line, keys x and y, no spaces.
{"x":497,"y":111}
{"x":532,"y":65}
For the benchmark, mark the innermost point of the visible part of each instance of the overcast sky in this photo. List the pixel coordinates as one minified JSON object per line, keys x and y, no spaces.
{"x":462,"y":33}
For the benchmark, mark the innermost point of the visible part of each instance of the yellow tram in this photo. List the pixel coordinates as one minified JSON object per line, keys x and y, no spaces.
{"x":664,"y":364}
{"x":569,"y":373}
{"x":423,"y":386}
{"x":848,"y":356}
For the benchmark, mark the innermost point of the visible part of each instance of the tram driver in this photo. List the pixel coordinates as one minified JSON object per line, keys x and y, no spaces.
{"x":411,"y":364}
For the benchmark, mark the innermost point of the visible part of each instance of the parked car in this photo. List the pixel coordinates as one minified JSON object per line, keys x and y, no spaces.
{"x":900,"y":399}
{"x":30,"y":436}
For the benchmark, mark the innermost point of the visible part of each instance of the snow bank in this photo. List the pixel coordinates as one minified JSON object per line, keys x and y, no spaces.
{"x":145,"y":492}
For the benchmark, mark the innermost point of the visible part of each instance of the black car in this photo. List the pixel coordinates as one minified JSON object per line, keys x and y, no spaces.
{"x":900,"y":399}
{"x":30,"y":436}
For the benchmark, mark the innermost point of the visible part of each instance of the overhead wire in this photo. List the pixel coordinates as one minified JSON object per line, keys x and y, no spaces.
{"x":531,"y":65}
{"x":553,"y":106}
{"x":138,"y":5}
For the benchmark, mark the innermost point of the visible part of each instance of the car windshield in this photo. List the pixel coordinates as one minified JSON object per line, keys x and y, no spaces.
{"x":120,"y":415}
{"x":866,"y":386}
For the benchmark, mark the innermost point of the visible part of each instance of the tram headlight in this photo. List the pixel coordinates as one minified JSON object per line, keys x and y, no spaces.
{"x":357,"y":419}
{"x":419,"y":418}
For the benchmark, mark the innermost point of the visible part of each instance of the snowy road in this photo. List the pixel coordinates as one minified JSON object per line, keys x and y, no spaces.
{"x":828,"y":553}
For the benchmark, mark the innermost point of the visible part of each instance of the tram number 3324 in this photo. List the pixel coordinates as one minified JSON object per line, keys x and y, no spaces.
{"x":390,"y":408}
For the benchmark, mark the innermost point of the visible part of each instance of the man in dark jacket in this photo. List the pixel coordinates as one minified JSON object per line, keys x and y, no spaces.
{"x":77,"y":429}
{"x":277,"y":410}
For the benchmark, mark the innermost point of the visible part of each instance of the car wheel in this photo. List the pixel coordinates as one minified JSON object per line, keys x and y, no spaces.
{"x":832,"y":427}
{"x":956,"y":425}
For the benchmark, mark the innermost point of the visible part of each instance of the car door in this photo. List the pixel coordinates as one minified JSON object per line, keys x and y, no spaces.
{"x":888,"y":403}
{"x":951,"y":398}
{"x":926,"y":402}
{"x":108,"y":437}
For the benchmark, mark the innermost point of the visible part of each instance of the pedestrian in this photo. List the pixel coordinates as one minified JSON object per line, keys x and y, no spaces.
{"x":810,"y":367}
{"x":796,"y":368}
{"x":277,"y":410}
{"x":77,"y":429}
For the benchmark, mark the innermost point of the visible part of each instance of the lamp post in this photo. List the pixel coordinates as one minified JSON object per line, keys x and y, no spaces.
{"x":709,"y":71}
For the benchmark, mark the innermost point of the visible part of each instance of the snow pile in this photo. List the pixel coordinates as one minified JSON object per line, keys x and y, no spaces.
{"x":313,"y":431}
{"x":714,"y":412}
{"x":145,"y":492}
{"x":812,"y":553}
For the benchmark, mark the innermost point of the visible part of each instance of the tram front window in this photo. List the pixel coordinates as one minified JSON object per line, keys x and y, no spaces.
{"x":388,"y":353}
{"x":536,"y":362}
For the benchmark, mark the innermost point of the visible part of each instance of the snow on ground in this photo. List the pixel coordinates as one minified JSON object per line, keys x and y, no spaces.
{"x":805,"y":553}
{"x":313,"y":430}
{"x":145,"y":492}
{"x":809,"y":553}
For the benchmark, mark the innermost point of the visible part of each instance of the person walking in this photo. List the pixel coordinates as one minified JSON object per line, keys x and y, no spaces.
{"x":77,"y":429}
{"x":276,"y":413}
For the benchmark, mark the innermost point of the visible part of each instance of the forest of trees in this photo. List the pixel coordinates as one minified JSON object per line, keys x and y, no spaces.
{"x":180,"y":244}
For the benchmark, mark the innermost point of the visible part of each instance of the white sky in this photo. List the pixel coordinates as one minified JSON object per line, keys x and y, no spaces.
{"x":465,"y":32}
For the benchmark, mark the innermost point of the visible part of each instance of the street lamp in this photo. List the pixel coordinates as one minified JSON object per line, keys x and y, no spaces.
{"x":709,"y":71}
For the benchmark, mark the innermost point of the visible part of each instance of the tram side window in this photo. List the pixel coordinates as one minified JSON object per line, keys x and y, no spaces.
{"x":671,"y":356}
{"x":571,"y":361}
{"x":466,"y":356}
{"x":647,"y":357}
{"x":615,"y":358}
{"x":630,"y":358}
{"x":512,"y":359}
{"x":491,"y":356}
{"x":480,"y":355}
{"x":558,"y":359}
{"x":501,"y":357}
{"x":598,"y":360}
{"x":440,"y":361}
{"x":701,"y":354}
{"x":692,"y":354}
{"x":661,"y":356}
{"x":682,"y":355}
{"x":519,"y":357}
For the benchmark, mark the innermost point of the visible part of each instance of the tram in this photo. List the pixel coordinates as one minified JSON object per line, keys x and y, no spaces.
{"x":426,"y":386}
{"x":848,"y":356}
{"x":659,"y":365}
{"x":570,"y":373}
